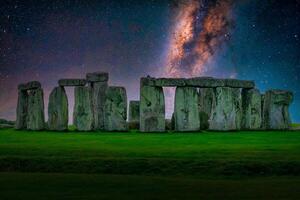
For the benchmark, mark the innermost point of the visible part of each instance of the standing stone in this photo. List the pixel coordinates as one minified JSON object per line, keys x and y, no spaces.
{"x":276,"y":113}
{"x":99,"y":91}
{"x":58,"y":110}
{"x":227,"y":110}
{"x":83,"y":114}
{"x":251,"y":103}
{"x":206,"y":101}
{"x":36,"y":118}
{"x":152,"y":109}
{"x":115,"y":109}
{"x":186,"y":109}
{"x":21,"y":121}
{"x":99,"y":84}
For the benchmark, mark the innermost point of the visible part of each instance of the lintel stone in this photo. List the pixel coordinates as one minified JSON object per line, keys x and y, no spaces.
{"x":72,"y":82}
{"x":97,"y":77}
{"x":203,"y":82}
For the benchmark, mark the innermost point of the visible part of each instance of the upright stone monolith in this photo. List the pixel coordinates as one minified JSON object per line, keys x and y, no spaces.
{"x":276,"y":113}
{"x":251,"y":104}
{"x":186,"y":110}
{"x":152,"y":109}
{"x":115,"y":109}
{"x":35,"y":115}
{"x":227,"y":110}
{"x":99,"y":84}
{"x":206,"y":101}
{"x":21,"y":121}
{"x":58,"y":110}
{"x":83,"y":113}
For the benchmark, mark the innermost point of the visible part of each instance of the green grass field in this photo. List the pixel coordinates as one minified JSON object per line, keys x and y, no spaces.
{"x":74,"y":165}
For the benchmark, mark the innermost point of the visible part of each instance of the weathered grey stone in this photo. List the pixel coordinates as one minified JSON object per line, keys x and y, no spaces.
{"x":83,"y":114}
{"x":152,"y":109}
{"x":276,"y":113}
{"x":227,"y":110}
{"x":134,"y":111}
{"x":205,"y":82}
{"x":72,"y":82}
{"x":21,"y":121}
{"x":251,"y":104}
{"x":197,"y":82}
{"x":234,"y":83}
{"x":97,"y":77}
{"x":35,"y":115}
{"x":99,"y":92}
{"x":186,"y":110}
{"x":58,"y":110}
{"x":206,"y":101}
{"x":115,"y":109}
{"x":30,"y":85}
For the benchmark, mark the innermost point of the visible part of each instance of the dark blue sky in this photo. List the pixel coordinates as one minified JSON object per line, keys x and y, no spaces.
{"x":49,"y":40}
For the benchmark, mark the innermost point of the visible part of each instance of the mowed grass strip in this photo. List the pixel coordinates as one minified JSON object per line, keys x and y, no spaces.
{"x":206,"y":153}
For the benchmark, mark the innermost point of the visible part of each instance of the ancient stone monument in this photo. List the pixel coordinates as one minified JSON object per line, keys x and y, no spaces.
{"x":58,"y":109}
{"x":186,"y":113}
{"x":275,"y":109}
{"x":200,"y":103}
{"x":98,"y":82}
{"x":30,"y":108}
{"x":115,"y":109}
{"x":252,"y":109}
{"x":83,"y":109}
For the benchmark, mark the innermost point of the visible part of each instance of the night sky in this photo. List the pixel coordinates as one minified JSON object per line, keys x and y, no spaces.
{"x":52,"y":39}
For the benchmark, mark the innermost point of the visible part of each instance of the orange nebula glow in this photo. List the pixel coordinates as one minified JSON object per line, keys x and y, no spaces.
{"x":215,"y":28}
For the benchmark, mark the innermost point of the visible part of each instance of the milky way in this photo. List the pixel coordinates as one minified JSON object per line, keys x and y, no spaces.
{"x":200,"y":29}
{"x":53,"y":39}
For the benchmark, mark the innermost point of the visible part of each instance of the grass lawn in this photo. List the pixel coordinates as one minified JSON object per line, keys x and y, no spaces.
{"x":165,"y":166}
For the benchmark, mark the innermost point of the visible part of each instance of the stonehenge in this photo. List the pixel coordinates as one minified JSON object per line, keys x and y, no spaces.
{"x":252,"y":109}
{"x":30,"y":108}
{"x":115,"y":109}
{"x":58,"y":109}
{"x":186,"y":111}
{"x":201,"y":103}
{"x":83,"y":110}
{"x":275,"y":109}
{"x":98,"y":82}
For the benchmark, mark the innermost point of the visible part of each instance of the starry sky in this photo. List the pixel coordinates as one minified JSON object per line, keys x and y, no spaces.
{"x":52,"y":39}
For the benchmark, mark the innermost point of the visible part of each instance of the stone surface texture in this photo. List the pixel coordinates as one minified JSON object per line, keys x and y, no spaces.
{"x":152,"y":109}
{"x":83,"y":113}
{"x":197,"y":82}
{"x":98,"y":101}
{"x":30,"y":85}
{"x":251,"y":104}
{"x":35,"y":115}
{"x":206,"y":101}
{"x":116,"y":109}
{"x":58,"y":110}
{"x":186,"y":111}
{"x":97,"y":77}
{"x":21,"y":120}
{"x":72,"y":82}
{"x":276,"y":113}
{"x":227,"y":110}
